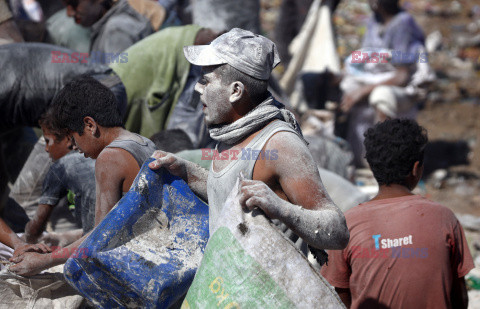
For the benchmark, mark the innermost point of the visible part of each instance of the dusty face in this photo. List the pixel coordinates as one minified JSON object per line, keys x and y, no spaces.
{"x":56,"y":149}
{"x":85,"y":12}
{"x":86,"y":144}
{"x":214,"y":96}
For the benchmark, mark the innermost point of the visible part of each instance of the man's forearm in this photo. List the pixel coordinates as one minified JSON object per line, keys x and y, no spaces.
{"x":322,"y":229}
{"x":58,"y":259}
{"x":196,"y":177}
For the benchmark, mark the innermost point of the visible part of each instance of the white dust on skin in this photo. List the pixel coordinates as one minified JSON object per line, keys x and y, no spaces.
{"x":324,"y":226}
{"x":197,"y":179}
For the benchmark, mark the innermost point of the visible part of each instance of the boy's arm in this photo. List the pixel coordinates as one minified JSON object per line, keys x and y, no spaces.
{"x":36,"y":226}
{"x":194,"y":175}
{"x":9,"y":238}
{"x":32,"y":263}
{"x":110,"y":169}
{"x":53,"y":189}
{"x":306,"y":208}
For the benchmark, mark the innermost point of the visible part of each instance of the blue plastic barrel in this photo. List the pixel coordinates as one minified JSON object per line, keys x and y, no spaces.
{"x":147,"y":249}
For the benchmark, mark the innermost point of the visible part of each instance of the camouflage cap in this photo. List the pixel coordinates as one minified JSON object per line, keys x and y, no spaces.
{"x":247,"y":52}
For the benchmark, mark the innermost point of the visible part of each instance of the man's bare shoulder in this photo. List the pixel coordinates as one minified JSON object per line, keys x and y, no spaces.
{"x":288,"y":143}
{"x":292,"y":152}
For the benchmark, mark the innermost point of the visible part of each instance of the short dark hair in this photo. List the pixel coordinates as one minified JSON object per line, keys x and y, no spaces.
{"x":390,"y":6}
{"x":256,"y":88}
{"x":107,"y":4}
{"x":174,"y":140}
{"x":47,"y":121}
{"x":392,"y":148}
{"x":85,"y":96}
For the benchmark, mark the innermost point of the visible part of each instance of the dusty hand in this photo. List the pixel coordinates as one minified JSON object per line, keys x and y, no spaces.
{"x":30,"y":263}
{"x":40,"y":248}
{"x":254,"y":193}
{"x":175,"y":165}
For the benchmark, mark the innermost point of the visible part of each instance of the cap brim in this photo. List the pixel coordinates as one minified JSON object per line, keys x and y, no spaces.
{"x":202,"y":55}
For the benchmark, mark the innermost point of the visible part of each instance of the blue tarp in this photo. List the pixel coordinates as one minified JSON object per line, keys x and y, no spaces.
{"x":146,"y":251}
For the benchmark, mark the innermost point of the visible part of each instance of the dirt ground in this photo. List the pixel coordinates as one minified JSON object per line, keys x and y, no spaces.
{"x":453,"y":110}
{"x":456,"y":121}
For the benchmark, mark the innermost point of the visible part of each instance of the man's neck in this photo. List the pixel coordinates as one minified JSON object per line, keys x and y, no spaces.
{"x":391,"y":191}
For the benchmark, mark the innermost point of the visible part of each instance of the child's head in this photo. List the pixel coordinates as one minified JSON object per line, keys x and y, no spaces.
{"x":392,"y":149}
{"x":57,"y":141}
{"x":84,"y":106}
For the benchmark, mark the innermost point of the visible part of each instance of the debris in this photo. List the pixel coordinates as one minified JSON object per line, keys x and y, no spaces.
{"x":433,"y":41}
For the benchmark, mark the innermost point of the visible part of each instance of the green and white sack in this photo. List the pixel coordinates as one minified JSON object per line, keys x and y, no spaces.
{"x":249,"y":264}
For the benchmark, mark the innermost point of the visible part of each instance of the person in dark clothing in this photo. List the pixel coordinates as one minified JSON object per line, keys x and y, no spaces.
{"x":116,"y":25}
{"x":173,"y":141}
{"x":34,"y":73}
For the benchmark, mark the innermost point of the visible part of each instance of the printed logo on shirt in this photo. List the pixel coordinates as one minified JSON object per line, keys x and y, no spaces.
{"x":389,"y":243}
{"x":390,"y":248}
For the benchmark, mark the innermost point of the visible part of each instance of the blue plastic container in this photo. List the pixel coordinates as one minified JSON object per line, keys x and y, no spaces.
{"x":147,"y":249}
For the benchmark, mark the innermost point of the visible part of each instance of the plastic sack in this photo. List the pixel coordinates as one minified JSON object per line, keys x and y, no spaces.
{"x":145,"y":252}
{"x":43,"y":291}
{"x":248,"y":264}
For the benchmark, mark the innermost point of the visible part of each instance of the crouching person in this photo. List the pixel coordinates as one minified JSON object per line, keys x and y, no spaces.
{"x":88,"y":110}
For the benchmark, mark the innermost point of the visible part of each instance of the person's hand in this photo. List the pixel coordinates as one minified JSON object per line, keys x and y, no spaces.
{"x":21,"y":249}
{"x":353,"y":97}
{"x":30,"y":263}
{"x":175,"y":165}
{"x":254,"y":193}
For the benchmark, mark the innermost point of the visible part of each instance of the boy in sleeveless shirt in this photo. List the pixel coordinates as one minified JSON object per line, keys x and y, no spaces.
{"x":256,"y":135}
{"x":89,"y":111}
